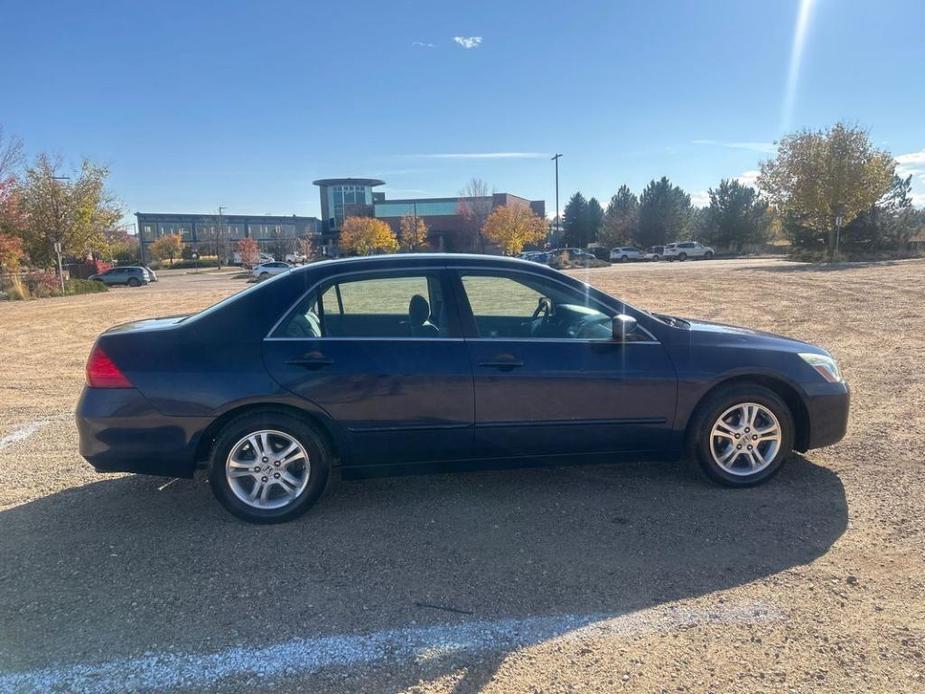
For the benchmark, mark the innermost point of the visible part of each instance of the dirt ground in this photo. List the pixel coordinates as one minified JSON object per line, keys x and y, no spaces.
{"x":591,"y":578}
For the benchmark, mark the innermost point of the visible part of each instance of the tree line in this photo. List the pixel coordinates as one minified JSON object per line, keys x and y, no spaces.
{"x":826,"y":191}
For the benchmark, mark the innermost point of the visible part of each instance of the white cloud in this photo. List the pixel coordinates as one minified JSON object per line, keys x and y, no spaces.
{"x":763,"y":147}
{"x":468,"y":41}
{"x":700,"y":198}
{"x":749,"y":178}
{"x":482,"y":155}
{"x":422,"y":44}
{"x":913,"y":164}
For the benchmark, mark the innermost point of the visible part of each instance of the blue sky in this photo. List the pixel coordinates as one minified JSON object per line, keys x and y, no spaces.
{"x":200,"y":104}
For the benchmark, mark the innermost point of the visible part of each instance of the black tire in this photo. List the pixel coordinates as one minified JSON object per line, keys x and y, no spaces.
{"x":708,"y":255}
{"x":134,"y":282}
{"x":707,"y":413}
{"x":319,"y":456}
{"x":682,"y":257}
{"x":655,"y":258}
{"x":623,"y":258}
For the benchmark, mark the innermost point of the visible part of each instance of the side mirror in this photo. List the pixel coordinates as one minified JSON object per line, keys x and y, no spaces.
{"x":623,"y":326}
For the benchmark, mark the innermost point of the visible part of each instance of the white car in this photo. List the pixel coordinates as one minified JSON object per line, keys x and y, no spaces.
{"x":655,"y":253}
{"x":682,"y":250}
{"x":265,"y":270}
{"x":624,"y":254}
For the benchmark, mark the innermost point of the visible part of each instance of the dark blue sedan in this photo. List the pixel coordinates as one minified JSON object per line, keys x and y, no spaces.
{"x":402,"y":361}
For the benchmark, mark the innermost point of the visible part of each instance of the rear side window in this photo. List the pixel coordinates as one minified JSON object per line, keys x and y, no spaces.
{"x":396,"y":306}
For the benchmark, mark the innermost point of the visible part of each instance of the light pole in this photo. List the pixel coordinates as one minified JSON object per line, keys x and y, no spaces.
{"x":556,"y":159}
{"x":57,"y":244}
{"x":221,"y":236}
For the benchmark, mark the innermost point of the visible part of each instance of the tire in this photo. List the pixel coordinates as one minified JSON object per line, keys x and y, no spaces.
{"x":264,"y":275}
{"x":655,"y":258}
{"x":623,"y":258}
{"x":284,"y":500}
{"x":682,"y":257}
{"x":706,"y":451}
{"x":134,"y":282}
{"x":708,"y":255}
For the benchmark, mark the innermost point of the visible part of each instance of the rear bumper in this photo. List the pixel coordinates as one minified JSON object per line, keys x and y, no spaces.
{"x":828,"y":415}
{"x":121,"y":432}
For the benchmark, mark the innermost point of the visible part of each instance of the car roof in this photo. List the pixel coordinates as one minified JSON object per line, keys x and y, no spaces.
{"x":418,"y":259}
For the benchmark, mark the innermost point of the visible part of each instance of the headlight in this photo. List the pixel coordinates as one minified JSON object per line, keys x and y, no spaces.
{"x":826,"y":366}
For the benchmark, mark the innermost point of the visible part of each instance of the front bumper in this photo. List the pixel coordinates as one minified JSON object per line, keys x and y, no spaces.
{"x":120,"y":431}
{"x":828,"y":409}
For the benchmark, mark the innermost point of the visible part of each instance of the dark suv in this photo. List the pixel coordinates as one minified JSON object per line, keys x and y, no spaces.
{"x":129,"y":275}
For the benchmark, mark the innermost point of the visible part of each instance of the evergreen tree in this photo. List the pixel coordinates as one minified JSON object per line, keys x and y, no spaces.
{"x":595,"y":220}
{"x":664,"y":213}
{"x":575,"y":221}
{"x":621,"y":220}
{"x":736,"y":216}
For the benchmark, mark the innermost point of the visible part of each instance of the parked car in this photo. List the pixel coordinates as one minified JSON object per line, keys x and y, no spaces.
{"x":296,"y":259}
{"x":624,"y":254}
{"x":262,"y":258}
{"x":575,"y":256}
{"x":682,"y":250}
{"x":130,"y":275}
{"x":655,"y":253}
{"x":265,"y":270}
{"x":375,"y":363}
{"x":152,"y":276}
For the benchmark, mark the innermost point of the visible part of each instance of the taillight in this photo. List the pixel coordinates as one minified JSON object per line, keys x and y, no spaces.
{"x":102,"y":371}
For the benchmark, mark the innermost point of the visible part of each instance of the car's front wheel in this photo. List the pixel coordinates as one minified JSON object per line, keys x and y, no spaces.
{"x":742,"y":435}
{"x":134,"y":282}
{"x":268,"y":467}
{"x":708,"y":255}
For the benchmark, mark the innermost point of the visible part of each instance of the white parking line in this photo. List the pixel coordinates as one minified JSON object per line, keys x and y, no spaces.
{"x":417,"y":644}
{"x":24,"y":431}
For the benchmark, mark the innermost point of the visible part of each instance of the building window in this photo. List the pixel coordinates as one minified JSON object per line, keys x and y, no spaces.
{"x":170,"y":228}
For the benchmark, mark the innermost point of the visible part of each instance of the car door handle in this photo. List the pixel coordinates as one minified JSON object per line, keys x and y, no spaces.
{"x":313,"y":360}
{"x":503,"y":362}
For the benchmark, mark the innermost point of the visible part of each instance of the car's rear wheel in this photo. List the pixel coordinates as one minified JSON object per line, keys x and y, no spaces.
{"x":623,"y":258}
{"x":134,"y":282}
{"x":742,"y":435}
{"x":269,"y":466}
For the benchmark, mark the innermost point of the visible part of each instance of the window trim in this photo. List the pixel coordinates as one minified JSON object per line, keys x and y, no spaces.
{"x":440,"y":272}
{"x":467,"y":317}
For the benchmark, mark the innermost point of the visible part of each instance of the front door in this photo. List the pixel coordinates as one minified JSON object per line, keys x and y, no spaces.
{"x":549,"y":378}
{"x":381,"y":353}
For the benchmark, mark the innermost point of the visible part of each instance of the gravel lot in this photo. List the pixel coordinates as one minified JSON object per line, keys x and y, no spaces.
{"x":610,"y":578}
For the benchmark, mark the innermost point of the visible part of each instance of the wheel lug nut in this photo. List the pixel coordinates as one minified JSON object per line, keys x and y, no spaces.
{"x":276,"y":463}
{"x":265,"y":459}
{"x":747,"y":430}
{"x":739,"y":446}
{"x":276,"y":475}
{"x":749,"y":448}
{"x":263,"y":479}
{"x":754,"y":437}
{"x":737,"y":436}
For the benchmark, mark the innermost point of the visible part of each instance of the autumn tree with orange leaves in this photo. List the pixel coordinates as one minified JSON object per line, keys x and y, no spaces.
{"x":365,"y":236}
{"x":512,"y":227}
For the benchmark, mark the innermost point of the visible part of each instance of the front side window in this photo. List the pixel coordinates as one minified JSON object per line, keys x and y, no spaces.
{"x":526,"y":306}
{"x":393,"y":306}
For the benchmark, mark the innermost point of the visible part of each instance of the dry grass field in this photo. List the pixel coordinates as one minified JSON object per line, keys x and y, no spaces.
{"x":833,"y":550}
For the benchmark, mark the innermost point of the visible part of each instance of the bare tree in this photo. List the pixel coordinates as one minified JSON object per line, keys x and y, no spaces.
{"x":474,"y":206}
{"x":11,"y":156}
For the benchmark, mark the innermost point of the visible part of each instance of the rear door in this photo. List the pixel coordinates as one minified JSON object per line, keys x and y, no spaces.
{"x":381,"y":353}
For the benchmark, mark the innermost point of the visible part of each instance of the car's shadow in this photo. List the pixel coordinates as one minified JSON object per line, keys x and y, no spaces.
{"x":119,"y":566}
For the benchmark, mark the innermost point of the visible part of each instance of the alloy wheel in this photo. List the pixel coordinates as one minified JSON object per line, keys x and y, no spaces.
{"x":267,"y":469}
{"x":745,"y":439}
